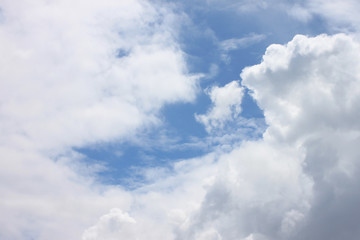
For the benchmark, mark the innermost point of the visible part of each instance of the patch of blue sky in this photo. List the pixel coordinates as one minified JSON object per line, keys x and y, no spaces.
{"x":200,"y":40}
{"x":122,"y":53}
{"x":121,"y":161}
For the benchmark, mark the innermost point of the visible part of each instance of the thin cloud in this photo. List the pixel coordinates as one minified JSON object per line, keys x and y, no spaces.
{"x":233,"y":44}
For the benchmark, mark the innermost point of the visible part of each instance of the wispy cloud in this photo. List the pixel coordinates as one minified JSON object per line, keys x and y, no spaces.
{"x":237,"y":43}
{"x":233,"y":44}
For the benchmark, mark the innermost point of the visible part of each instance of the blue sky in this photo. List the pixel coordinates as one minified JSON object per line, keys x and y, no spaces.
{"x":200,"y":37}
{"x":179,"y":120}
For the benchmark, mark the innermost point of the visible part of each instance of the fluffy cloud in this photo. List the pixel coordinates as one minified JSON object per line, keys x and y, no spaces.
{"x":226,"y":106}
{"x":303,"y":176}
{"x":75,"y":73}
{"x":310,"y":86}
{"x":257,"y":188}
{"x":110,"y":226}
{"x":100,"y":70}
{"x":309,"y":90}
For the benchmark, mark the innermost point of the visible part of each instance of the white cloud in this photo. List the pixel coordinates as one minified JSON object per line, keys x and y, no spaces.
{"x":256,"y":185}
{"x":110,"y":226}
{"x":315,"y":86}
{"x":309,"y":91}
{"x":162,"y":207}
{"x":75,"y":73}
{"x":60,"y":65}
{"x":226,"y":106}
{"x":303,"y":176}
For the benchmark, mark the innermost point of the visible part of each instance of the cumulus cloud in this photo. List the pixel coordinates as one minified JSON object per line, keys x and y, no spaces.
{"x":226,"y":106}
{"x":315,"y":86}
{"x":301,"y":180}
{"x":309,"y":91}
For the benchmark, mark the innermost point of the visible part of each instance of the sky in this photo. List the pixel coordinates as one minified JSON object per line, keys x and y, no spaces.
{"x":179,"y":120}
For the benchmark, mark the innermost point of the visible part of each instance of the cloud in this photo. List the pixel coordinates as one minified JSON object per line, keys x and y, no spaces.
{"x":75,"y":73}
{"x":301,"y":180}
{"x":111,"y":225}
{"x":226,"y":106}
{"x":315,"y":88}
{"x":340,"y":15}
{"x":308,"y":90}
{"x":163,"y":205}
{"x":299,"y":12}
{"x":236,"y":43}
{"x":256,"y":185}
{"x":232,"y":44}
{"x":65,"y":70}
